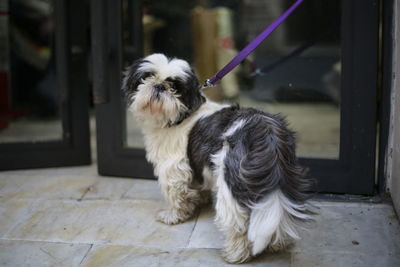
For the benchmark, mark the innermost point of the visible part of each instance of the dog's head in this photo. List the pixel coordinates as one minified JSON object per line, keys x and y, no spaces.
{"x":161,"y":92}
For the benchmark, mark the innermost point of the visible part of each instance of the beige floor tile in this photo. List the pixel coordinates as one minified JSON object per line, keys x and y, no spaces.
{"x":144,"y":189}
{"x":98,"y":221}
{"x":14,"y":211}
{"x":58,"y":183}
{"x":352,"y":228}
{"x":27,"y":253}
{"x":108,"y":188}
{"x":122,"y":256}
{"x":206,"y":233}
{"x":335,"y":259}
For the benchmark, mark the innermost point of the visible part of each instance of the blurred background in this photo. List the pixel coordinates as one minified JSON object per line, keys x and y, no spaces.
{"x":295,"y":72}
{"x":29,"y":95}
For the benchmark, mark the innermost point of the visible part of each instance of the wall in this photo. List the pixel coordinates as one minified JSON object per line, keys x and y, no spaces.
{"x":393,"y":155}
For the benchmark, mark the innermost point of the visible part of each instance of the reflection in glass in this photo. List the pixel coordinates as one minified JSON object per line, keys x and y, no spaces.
{"x":29,"y":105}
{"x":296,"y":71}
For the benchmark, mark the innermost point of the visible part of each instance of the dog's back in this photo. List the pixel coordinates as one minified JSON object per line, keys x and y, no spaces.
{"x":253,"y":154}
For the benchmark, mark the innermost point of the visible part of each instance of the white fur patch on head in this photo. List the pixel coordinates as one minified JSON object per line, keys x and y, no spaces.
{"x":164,"y":68}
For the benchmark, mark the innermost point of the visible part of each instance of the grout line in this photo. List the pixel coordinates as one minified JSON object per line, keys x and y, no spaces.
{"x":86,"y":254}
{"x":44,"y":241}
{"x":86,"y":191}
{"x":194,"y":226}
{"x":123,"y":196}
{"x":48,"y":253}
{"x":121,"y":244}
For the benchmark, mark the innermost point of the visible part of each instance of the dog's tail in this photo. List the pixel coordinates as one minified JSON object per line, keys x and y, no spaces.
{"x":270,"y":172}
{"x":275,"y":221}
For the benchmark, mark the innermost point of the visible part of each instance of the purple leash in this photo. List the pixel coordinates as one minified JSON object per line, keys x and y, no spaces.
{"x":250,"y":47}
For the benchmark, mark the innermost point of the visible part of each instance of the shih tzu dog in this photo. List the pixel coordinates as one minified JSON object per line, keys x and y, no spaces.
{"x":246,"y":157}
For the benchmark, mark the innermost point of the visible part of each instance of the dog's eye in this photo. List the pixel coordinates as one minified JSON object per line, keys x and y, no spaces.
{"x":170,"y":80}
{"x":176,"y":82}
{"x":147,"y":75}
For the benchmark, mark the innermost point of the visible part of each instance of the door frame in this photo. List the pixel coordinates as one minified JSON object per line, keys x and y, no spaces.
{"x":354,"y":172}
{"x":113,"y":158}
{"x":384,"y":109}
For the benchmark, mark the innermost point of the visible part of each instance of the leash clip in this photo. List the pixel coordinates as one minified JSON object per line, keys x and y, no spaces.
{"x":207,"y":84}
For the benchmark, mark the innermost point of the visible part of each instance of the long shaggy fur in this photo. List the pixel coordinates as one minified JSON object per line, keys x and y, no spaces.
{"x":246,"y":156}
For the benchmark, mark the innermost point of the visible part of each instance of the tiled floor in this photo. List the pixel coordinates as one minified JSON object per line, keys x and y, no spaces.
{"x":73,"y":217}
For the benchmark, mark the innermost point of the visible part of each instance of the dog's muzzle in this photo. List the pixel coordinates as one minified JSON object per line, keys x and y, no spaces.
{"x":158,"y":90}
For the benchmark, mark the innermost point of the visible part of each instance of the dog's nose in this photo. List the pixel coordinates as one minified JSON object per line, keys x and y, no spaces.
{"x":159,"y":87}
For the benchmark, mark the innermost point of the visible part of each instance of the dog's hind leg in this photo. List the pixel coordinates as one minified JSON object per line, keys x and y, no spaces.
{"x":232,"y":219}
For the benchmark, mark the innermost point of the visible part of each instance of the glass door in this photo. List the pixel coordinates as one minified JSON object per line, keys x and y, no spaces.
{"x":318,"y":68}
{"x":44,"y":92}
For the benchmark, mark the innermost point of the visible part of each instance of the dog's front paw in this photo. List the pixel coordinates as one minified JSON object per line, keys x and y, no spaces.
{"x":171,"y":216}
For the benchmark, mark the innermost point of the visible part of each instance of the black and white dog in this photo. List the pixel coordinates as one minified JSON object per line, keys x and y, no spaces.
{"x":245,"y":156}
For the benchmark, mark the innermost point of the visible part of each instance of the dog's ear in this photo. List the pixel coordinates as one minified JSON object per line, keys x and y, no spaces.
{"x":132,"y":78}
{"x":193,"y":82}
{"x":194,"y":95}
{"x":189,"y":94}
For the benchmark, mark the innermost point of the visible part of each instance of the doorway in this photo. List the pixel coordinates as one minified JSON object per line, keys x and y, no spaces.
{"x":327,"y":91}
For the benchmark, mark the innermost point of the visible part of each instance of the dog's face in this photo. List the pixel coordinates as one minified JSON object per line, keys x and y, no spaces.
{"x":161,"y":92}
